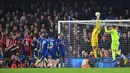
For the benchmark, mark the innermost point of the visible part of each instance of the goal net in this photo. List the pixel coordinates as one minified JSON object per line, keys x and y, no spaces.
{"x":77,"y":35}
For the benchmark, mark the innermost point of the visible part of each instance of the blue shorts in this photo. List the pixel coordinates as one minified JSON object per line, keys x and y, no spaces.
{"x":42,"y":53}
{"x":51,"y":53}
{"x":62,"y":52}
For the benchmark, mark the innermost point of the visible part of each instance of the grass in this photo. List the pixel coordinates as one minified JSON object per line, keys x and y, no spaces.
{"x":66,"y":70}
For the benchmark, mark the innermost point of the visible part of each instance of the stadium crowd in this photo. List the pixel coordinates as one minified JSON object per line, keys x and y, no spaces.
{"x":21,"y":24}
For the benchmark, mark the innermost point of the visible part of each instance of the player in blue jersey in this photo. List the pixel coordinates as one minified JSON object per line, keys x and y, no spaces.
{"x":39,"y":44}
{"x":61,"y":49}
{"x":42,"y":44}
{"x":120,"y":47}
{"x":51,"y":47}
{"x":51,"y":52}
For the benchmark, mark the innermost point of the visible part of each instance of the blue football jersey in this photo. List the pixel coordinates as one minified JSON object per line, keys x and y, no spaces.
{"x":61,"y":47}
{"x":51,"y":43}
{"x":61,"y":44}
{"x":39,"y":42}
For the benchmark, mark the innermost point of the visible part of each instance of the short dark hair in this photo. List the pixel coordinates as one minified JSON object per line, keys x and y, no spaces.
{"x":113,"y":26}
{"x":41,"y":32}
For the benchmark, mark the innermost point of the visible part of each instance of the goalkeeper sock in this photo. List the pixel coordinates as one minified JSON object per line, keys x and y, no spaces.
{"x":122,"y":56}
{"x":95,"y":53}
{"x":100,"y":52}
{"x":113,"y":55}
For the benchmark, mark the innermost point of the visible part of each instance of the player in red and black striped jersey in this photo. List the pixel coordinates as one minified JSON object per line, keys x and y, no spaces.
{"x":28,"y":43}
{"x":15,"y":43}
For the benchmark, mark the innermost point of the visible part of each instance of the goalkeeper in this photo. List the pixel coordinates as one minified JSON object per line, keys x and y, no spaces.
{"x":94,"y":39}
{"x":115,"y":43}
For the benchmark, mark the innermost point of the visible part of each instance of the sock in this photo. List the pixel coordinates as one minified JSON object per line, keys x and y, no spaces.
{"x":44,"y":64}
{"x":113,"y":55}
{"x":63,"y":65}
{"x":57,"y":61}
{"x":100,"y":52}
{"x":95,"y":53}
{"x":63,"y":62}
{"x":41,"y":64}
{"x":54,"y":61}
{"x":37,"y":62}
{"x":45,"y":60}
{"x":59,"y":65}
{"x":122,"y":56}
{"x":50,"y":62}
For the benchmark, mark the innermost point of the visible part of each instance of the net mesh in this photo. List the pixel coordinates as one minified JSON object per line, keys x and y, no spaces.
{"x":78,"y":43}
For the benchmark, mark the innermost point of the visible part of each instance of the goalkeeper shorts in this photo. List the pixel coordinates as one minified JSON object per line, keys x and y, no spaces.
{"x":115,"y":45}
{"x":94,"y":42}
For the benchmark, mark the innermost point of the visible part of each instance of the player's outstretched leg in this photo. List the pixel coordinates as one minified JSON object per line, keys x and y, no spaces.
{"x":124,"y":58}
{"x":38,"y":61}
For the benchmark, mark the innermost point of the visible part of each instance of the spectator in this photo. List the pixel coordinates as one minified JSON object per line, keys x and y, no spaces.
{"x":127,"y":14}
{"x":106,"y":54}
{"x":83,"y":52}
{"x":51,"y":32}
{"x":1,"y":64}
{"x":85,"y":63}
{"x":35,"y":32}
{"x":103,"y":43}
{"x":124,"y":44}
{"x":91,"y":55}
{"x":52,"y":25}
{"x":23,"y":18}
{"x":109,"y":53}
{"x":128,"y":42}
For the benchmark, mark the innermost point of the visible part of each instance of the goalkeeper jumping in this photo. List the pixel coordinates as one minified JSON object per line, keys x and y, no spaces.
{"x":94,"y":38}
{"x":115,"y":43}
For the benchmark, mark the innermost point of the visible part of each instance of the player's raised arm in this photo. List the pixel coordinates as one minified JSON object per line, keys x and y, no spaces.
{"x":108,"y":31}
{"x":97,"y":19}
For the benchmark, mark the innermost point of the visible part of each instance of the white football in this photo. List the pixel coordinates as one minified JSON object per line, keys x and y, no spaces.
{"x":97,"y":14}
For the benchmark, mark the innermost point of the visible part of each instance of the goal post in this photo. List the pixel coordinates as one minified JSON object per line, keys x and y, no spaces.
{"x":93,"y":21}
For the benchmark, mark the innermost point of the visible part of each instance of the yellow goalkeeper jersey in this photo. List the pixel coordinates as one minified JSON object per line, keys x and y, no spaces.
{"x":96,"y":30}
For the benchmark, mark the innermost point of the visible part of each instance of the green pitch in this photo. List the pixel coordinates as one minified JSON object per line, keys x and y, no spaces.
{"x":66,"y":70}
